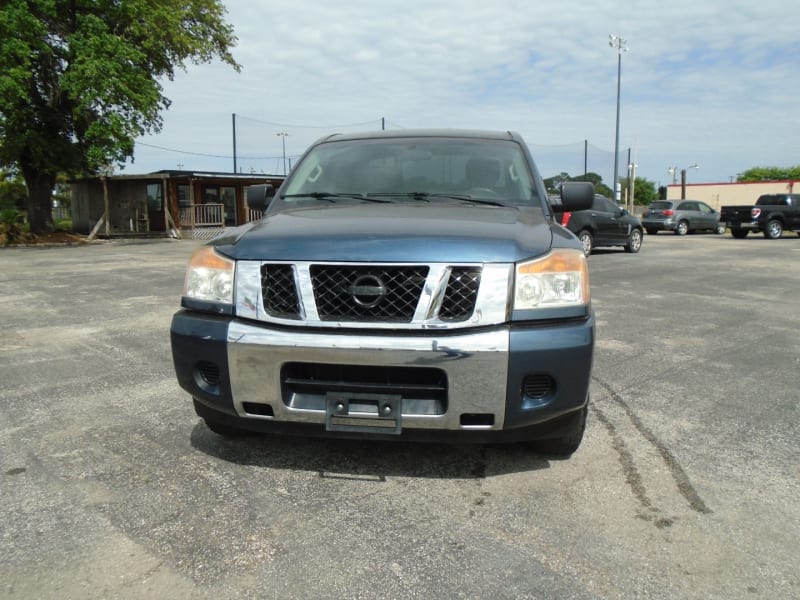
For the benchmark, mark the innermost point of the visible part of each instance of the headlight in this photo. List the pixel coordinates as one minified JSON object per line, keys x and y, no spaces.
{"x":209,"y":277}
{"x":559,"y":279}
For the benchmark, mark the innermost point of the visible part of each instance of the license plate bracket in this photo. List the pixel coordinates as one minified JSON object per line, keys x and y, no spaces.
{"x":364,"y":413}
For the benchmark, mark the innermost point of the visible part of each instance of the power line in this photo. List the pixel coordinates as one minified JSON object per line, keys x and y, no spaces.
{"x":286,"y":125}
{"x":206,"y":155}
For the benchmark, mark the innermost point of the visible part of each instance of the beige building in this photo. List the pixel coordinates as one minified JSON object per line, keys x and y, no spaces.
{"x":720,"y":194}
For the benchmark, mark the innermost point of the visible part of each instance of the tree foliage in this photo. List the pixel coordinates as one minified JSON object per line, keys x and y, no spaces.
{"x":80,"y":80}
{"x":597,"y":180}
{"x":770,"y":174}
{"x":644,"y":190}
{"x":12,"y":191}
{"x":553,"y":184}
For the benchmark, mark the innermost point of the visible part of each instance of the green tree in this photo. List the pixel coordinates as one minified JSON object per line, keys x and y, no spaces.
{"x":644,"y":191}
{"x":12,"y":191}
{"x":597,"y":180}
{"x":770,"y":174}
{"x":553,"y":183}
{"x":80,"y":80}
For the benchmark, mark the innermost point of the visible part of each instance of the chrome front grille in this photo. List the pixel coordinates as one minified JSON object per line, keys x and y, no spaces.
{"x":374,"y":295}
{"x":462,"y":291}
{"x":279,"y":291}
{"x":367,"y":293}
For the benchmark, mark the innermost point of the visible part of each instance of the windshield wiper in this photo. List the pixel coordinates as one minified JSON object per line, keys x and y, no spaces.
{"x":414,"y":195}
{"x":479,"y":201}
{"x":426,"y":196}
{"x":331,"y":197}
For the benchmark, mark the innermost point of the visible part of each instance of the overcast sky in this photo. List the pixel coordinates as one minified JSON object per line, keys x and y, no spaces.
{"x":712,"y":82}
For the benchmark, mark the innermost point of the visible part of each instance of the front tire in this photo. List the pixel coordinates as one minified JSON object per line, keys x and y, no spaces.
{"x":739,"y":234}
{"x":587,"y":241}
{"x":773,"y":230}
{"x":720,"y":228}
{"x":568,"y":443}
{"x":682,"y":228}
{"x":634,"y":241}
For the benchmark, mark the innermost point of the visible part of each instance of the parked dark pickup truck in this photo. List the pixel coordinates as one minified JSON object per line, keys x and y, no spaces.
{"x":772,"y":214}
{"x":401,"y":285}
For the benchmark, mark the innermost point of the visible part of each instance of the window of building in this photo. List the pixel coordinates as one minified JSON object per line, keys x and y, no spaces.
{"x":184,"y":199}
{"x":155,"y":197}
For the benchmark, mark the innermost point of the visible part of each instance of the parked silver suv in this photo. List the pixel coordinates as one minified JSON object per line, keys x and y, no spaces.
{"x":682,"y":217}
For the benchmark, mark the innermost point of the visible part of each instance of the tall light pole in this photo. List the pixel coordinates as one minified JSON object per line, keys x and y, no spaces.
{"x":617,"y":42}
{"x":283,"y":135}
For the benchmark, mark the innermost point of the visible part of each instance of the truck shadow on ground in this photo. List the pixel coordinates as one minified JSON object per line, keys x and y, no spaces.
{"x":368,"y":459}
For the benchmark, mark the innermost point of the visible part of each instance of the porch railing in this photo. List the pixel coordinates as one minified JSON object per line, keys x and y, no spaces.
{"x":210,"y":215}
{"x":202,"y":215}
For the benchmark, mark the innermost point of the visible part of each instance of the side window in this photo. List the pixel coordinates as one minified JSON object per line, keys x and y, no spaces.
{"x":704,"y":208}
{"x":599,"y":204}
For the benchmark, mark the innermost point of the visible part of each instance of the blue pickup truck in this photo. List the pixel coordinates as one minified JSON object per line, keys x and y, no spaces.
{"x":401,"y":285}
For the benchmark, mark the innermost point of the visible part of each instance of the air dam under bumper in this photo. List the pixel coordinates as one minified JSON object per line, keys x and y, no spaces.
{"x":497,"y":384}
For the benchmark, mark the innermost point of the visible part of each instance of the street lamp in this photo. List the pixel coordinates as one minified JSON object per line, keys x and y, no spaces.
{"x":617,"y":42}
{"x":283,"y":135}
{"x":683,"y":179}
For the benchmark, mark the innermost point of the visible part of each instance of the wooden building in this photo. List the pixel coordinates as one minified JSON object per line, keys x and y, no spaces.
{"x":163,"y":203}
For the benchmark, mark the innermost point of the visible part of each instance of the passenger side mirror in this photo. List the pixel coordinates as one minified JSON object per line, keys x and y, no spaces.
{"x":575,"y":195}
{"x":259,"y":196}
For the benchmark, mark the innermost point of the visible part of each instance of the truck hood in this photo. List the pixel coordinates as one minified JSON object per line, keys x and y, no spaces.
{"x":394,"y":233}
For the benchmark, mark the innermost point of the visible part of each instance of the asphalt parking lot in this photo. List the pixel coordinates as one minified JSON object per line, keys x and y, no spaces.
{"x":686,"y":485}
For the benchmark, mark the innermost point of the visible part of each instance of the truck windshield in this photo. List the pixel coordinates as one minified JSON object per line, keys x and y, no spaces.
{"x":485,"y":171}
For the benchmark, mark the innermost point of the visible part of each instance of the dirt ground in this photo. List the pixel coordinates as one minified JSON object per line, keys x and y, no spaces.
{"x":62,"y":238}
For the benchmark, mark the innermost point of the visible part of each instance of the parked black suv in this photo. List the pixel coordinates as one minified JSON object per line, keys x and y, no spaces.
{"x":605,"y":224}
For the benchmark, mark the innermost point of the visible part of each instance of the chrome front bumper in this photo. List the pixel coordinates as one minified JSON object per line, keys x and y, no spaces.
{"x":475,"y":365}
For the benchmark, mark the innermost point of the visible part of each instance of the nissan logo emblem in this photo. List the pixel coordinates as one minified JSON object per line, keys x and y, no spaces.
{"x":367,"y":291}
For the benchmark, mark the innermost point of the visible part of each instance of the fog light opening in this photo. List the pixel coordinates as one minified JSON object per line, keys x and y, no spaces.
{"x":207,"y":376}
{"x":538,"y":386}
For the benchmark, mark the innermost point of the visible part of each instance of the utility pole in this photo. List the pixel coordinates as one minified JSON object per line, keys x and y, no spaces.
{"x":283,"y":135}
{"x":233,"y":117}
{"x":683,"y":179}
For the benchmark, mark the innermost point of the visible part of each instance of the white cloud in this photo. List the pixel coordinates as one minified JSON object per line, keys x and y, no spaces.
{"x":713,"y":82}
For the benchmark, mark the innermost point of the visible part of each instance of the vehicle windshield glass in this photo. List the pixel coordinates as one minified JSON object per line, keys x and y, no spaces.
{"x":481,"y":171}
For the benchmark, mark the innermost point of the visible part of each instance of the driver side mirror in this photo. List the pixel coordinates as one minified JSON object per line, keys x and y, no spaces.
{"x":259,"y":196}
